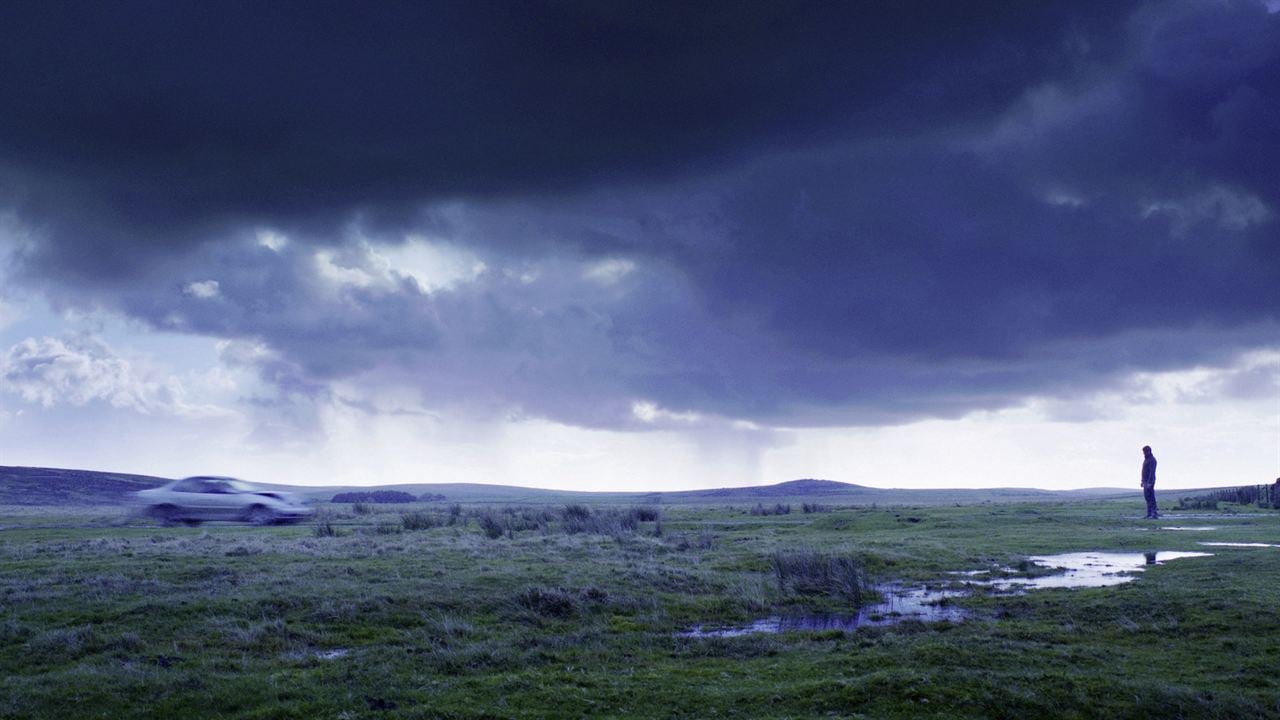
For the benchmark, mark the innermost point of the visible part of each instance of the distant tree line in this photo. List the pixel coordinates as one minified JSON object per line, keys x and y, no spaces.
{"x":384,"y":496}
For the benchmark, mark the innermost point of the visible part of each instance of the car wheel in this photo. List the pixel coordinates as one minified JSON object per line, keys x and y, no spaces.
{"x":259,"y":515}
{"x":166,"y":514}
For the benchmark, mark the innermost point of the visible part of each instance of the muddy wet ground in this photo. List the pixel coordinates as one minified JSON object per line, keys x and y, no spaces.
{"x":903,"y":603}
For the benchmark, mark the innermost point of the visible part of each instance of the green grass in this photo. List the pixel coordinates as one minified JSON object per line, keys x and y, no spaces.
{"x":561,"y":615}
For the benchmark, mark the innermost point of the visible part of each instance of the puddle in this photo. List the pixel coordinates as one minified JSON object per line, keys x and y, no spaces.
{"x":1231,"y":544}
{"x":1090,"y":569}
{"x":1191,"y":528}
{"x":333,"y":654}
{"x":901,"y":603}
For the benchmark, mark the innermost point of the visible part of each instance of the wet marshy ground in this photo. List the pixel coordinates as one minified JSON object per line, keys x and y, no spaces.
{"x":1090,"y":569}
{"x":900,"y":603}
{"x":903,"y":603}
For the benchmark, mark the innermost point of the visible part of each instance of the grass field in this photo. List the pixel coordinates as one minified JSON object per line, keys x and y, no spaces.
{"x":574,"y":611}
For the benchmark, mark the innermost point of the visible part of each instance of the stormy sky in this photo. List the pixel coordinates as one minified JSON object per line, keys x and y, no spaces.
{"x":637,"y":245}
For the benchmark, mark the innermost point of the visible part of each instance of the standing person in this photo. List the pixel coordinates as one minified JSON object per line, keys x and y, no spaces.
{"x":1149,"y":482}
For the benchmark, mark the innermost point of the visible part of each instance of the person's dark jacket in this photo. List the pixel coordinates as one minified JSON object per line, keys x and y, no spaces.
{"x":1149,"y":470}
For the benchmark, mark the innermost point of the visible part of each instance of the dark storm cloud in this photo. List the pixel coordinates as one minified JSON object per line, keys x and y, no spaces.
{"x":131,"y":126}
{"x":827,"y":216}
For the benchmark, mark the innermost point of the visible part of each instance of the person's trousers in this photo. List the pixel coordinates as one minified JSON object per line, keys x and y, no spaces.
{"x":1149,"y":492}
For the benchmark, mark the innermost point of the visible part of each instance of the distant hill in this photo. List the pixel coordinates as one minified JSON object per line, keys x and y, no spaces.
{"x":783,"y":489}
{"x":51,"y":486}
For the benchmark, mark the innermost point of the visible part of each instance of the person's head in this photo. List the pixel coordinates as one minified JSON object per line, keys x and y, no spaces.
{"x":1146,"y":449}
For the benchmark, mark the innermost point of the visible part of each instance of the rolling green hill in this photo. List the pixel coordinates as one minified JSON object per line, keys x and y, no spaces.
{"x":53,"y":486}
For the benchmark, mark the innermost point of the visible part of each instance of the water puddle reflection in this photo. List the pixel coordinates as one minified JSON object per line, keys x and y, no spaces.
{"x":902,"y":603}
{"x":1236,"y":544}
{"x":1190,"y":528}
{"x":1089,"y":569}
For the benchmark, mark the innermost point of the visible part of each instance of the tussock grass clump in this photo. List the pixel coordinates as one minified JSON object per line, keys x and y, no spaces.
{"x":704,"y":540}
{"x":809,"y":508}
{"x":547,"y":602}
{"x":12,"y":631}
{"x":571,"y":519}
{"x":808,"y":572}
{"x":648,"y":514}
{"x":778,"y":509}
{"x":243,"y":551}
{"x":363,"y":508}
{"x":324,"y":526}
{"x":491,"y":524}
{"x":609,"y":522}
{"x":511,"y":520}
{"x":127,"y":642}
{"x":418,"y":520}
{"x":449,"y":627}
{"x":615,"y":523}
{"x":1197,"y":503}
{"x":64,"y":644}
{"x":486,"y":656}
{"x":272,"y":634}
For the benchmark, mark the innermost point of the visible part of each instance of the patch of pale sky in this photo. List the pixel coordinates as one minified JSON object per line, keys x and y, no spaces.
{"x":1063,"y":197}
{"x":272,"y":240}
{"x":652,"y":413}
{"x":1202,"y":439}
{"x":1201,"y":445}
{"x":9,"y":314}
{"x":1228,"y":208}
{"x":434,"y":266}
{"x":205,"y":289}
{"x":609,"y":271}
{"x":1208,"y":442}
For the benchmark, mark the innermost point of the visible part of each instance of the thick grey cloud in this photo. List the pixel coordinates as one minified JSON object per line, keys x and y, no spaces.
{"x":788,"y":214}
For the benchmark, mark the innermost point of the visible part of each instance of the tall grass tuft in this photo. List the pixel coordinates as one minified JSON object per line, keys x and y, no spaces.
{"x":647,"y":513}
{"x":616,"y":523}
{"x":809,"y":572}
{"x":491,"y":524}
{"x":362,"y":508}
{"x":547,"y":602}
{"x":704,"y":540}
{"x":324,"y":526}
{"x":418,"y":520}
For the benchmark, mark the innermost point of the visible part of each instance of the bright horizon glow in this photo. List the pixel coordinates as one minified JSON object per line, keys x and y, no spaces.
{"x":1200,"y":440}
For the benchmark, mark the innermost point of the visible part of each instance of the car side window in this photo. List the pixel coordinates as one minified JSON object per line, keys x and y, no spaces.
{"x":216,"y":487}
{"x":188,"y":486}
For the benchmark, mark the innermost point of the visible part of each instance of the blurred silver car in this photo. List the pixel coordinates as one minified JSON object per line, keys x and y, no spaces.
{"x":196,"y":499}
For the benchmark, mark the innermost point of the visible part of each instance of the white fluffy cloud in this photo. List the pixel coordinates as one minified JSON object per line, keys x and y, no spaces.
{"x":204,"y":289}
{"x":81,"y":370}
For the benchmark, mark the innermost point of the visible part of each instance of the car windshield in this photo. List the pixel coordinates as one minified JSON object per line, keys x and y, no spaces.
{"x":241,"y":486}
